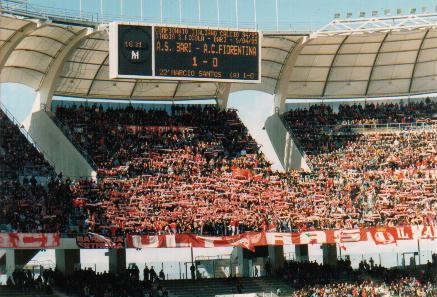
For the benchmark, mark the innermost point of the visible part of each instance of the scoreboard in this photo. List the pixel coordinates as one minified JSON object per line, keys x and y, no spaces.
{"x":184,"y":53}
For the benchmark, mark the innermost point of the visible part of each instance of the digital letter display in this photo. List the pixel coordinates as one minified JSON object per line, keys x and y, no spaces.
{"x":184,"y":53}
{"x":206,"y":53}
{"x":135,"y":50}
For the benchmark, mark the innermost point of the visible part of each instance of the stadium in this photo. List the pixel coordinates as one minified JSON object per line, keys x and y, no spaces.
{"x":197,"y":148}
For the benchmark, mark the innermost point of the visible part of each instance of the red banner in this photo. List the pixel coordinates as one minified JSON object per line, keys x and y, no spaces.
{"x":377,"y":235}
{"x":29,"y":240}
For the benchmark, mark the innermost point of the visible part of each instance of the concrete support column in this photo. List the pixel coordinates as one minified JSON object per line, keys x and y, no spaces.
{"x":301,"y":253}
{"x":66,"y":260}
{"x":18,"y":258}
{"x":329,"y":254}
{"x":276,"y":258}
{"x":240,"y":262}
{"x":222,"y":96}
{"x":117,"y":260}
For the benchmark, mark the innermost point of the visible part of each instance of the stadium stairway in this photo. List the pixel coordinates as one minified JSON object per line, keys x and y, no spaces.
{"x":213,"y":287}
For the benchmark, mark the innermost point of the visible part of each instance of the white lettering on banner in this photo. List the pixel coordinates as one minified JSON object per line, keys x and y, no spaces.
{"x":400,"y":231}
{"x":384,"y":237}
{"x":29,"y":240}
{"x":352,"y":235}
{"x":427,"y":232}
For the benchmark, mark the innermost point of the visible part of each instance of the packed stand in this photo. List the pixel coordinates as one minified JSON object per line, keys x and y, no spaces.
{"x":310,"y":279}
{"x":196,"y":169}
{"x":32,"y":197}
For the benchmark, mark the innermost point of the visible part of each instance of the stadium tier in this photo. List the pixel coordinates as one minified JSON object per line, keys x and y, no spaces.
{"x":32,"y":198}
{"x":197,"y":170}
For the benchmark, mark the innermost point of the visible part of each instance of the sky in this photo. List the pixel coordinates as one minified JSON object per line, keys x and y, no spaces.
{"x":254,"y":107}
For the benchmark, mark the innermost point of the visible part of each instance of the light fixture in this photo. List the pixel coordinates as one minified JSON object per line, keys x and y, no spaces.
{"x":399,"y":11}
{"x":362,"y":14}
{"x":337,"y":15}
{"x":413,"y":10}
{"x":374,"y":13}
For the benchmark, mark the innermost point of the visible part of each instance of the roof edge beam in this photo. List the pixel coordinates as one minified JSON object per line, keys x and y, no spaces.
{"x":13,"y":41}
{"x":328,"y":76}
{"x":374,"y":62}
{"x":419,"y":50}
{"x":48,"y":83}
{"x":281,"y":88}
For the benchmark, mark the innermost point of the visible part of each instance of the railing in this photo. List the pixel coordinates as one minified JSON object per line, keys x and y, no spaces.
{"x":93,"y":19}
{"x":360,"y":128}
{"x":26,"y":134}
{"x":66,"y":131}
{"x":23,"y":8}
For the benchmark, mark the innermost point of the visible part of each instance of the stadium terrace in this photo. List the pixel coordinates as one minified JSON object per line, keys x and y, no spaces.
{"x":138,"y":142}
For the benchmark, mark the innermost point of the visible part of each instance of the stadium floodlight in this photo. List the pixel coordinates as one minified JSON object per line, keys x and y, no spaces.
{"x":399,"y":11}
{"x":386,"y":11}
{"x":413,"y":10}
{"x":362,"y":14}
{"x":349,"y":15}
{"x":374,"y":13}
{"x":424,"y":9}
{"x":336,"y":15}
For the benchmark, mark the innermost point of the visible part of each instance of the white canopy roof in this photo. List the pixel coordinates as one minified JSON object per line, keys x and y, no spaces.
{"x":73,"y":61}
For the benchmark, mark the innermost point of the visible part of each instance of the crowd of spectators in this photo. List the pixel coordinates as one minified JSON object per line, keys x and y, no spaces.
{"x":196,"y":169}
{"x":88,"y":283}
{"x":32,"y":197}
{"x":304,"y":279}
{"x":310,"y":279}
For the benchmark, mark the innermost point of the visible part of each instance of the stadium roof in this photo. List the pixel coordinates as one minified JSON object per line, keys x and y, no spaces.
{"x":343,"y":59}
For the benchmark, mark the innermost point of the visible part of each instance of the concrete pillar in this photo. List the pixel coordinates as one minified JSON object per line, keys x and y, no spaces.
{"x":301,"y":253}
{"x":117,"y":261}
{"x":276,"y":258}
{"x":66,"y":260}
{"x":329,"y":254}
{"x":18,"y":258}
{"x":240,"y":262}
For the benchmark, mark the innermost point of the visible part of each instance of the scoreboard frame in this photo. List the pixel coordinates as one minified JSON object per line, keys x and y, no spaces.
{"x":114,"y":54}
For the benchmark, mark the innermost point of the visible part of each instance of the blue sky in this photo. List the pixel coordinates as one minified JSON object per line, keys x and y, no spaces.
{"x":293,"y":15}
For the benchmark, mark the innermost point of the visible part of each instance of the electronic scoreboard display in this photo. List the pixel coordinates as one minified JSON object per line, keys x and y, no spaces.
{"x":184,"y":53}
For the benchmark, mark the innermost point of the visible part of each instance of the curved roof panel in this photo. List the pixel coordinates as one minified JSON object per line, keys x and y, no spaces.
{"x":366,"y":64}
{"x":380,"y":62}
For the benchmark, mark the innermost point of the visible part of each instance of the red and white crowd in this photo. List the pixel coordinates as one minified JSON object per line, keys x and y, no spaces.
{"x":196,"y":169}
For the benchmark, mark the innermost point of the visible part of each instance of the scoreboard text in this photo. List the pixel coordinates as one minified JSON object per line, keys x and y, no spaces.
{"x":181,"y":53}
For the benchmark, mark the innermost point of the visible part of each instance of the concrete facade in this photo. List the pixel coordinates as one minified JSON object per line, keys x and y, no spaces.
{"x":329,"y":254}
{"x":18,"y":258}
{"x":67,"y":260}
{"x":286,"y":149}
{"x":57,"y":147}
{"x":301,"y":253}
{"x":117,"y":260}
